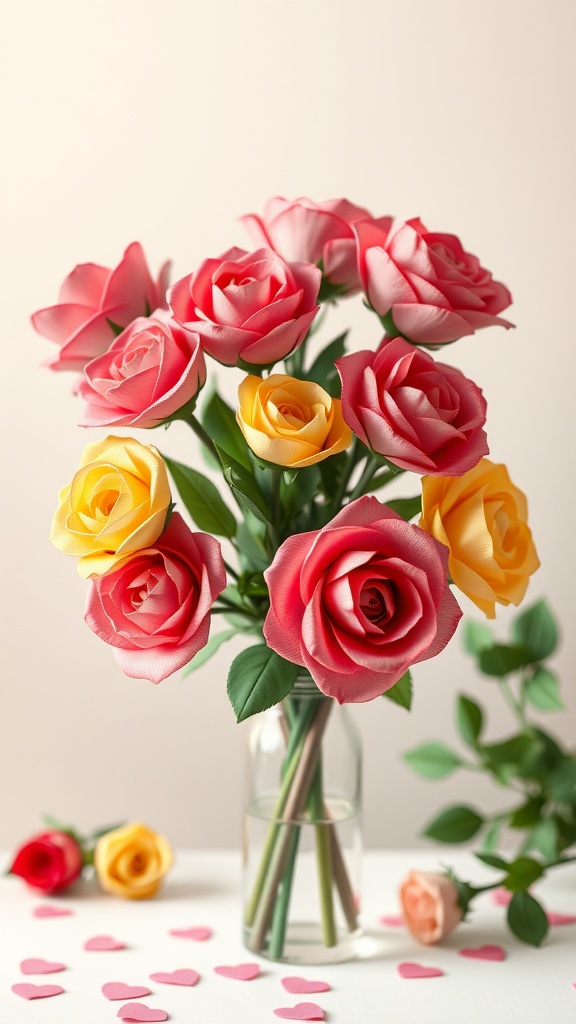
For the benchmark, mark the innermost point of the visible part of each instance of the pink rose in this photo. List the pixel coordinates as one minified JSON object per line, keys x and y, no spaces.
{"x":359,"y":601}
{"x":421,"y":415}
{"x":155,"y":608}
{"x":430,"y":906}
{"x":433,"y":290}
{"x":300,"y":229}
{"x":152,"y":369}
{"x":90,"y":297}
{"x":248,"y":306}
{"x":49,"y":861}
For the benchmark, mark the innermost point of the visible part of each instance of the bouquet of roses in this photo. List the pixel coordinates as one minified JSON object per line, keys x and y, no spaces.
{"x":328,"y":579}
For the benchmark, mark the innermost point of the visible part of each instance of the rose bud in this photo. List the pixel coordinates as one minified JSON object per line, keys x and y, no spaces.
{"x":131,"y":861}
{"x":429,"y":906}
{"x":49,"y":861}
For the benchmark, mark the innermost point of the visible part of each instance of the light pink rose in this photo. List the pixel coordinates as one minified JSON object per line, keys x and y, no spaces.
{"x":90,"y":297}
{"x":432,"y":288}
{"x":421,"y":415}
{"x":155,"y":608}
{"x":359,"y":601}
{"x":429,"y":906}
{"x":152,"y":369}
{"x":300,"y":229}
{"x":251,"y":307}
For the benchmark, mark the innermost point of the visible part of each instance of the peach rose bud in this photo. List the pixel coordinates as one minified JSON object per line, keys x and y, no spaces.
{"x":430,"y":906}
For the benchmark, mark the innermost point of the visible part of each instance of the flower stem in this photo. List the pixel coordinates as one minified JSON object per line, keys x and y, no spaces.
{"x":323,"y":856}
{"x":280,"y":919}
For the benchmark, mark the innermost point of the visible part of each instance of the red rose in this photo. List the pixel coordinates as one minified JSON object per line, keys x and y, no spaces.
{"x":49,"y":861}
{"x":421,"y":415}
{"x":248,"y":307}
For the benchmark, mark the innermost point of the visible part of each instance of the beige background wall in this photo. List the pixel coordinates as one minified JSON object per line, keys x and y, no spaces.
{"x":164,"y":120}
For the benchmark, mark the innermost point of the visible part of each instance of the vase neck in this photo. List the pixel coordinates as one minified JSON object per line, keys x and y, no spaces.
{"x":306,"y":687}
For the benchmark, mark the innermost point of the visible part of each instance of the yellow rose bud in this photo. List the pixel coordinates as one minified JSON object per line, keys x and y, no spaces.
{"x":481,"y":517}
{"x":131,"y":861}
{"x":115,"y":504}
{"x":291,"y":422}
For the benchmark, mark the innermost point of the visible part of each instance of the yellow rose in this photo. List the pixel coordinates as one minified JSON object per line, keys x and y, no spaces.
{"x":481,"y":517}
{"x":115,"y":504}
{"x":291,"y":422}
{"x":131,"y":861}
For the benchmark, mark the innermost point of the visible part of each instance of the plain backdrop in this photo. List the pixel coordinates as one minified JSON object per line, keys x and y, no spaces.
{"x":164,"y":121}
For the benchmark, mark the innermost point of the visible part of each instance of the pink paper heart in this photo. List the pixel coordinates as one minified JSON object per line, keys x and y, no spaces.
{"x":241,"y":972}
{"x":558,"y":919}
{"x":36,"y":965}
{"x":29,"y":991}
{"x":410,"y":970}
{"x":501,"y":897}
{"x":487,"y":952}
{"x":47,"y":910}
{"x":392,"y":920}
{"x":196,"y":934}
{"x":103,"y":944}
{"x":302,"y":1011}
{"x":299,"y":986}
{"x":140,"y":1012}
{"x":183,"y":976}
{"x":118,"y":990}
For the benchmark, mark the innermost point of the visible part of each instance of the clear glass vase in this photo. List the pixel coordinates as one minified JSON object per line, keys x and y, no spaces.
{"x":302,"y":840}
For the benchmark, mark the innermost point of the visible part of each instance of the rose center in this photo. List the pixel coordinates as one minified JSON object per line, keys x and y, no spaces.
{"x":377,"y":603}
{"x":295,"y":415}
{"x":105,"y":502}
{"x":138,"y":864}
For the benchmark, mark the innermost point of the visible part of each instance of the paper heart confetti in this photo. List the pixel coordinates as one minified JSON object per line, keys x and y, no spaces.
{"x":300,"y":986}
{"x":47,"y":910}
{"x":141,"y":1012}
{"x":29,"y":991}
{"x":500,"y":897}
{"x":183,"y":976}
{"x":558,"y":919}
{"x":103,"y":944}
{"x":411,"y":970}
{"x":392,"y":920}
{"x":36,"y":965}
{"x":302,"y":1011}
{"x":488,"y":952}
{"x":118,"y":990}
{"x":240,"y":972}
{"x":196,"y":934}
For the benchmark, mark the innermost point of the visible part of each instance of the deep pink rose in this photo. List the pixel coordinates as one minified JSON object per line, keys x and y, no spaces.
{"x":155,"y":609}
{"x":152,"y":369}
{"x":49,"y":861}
{"x":360,"y":601}
{"x":420,"y":414}
{"x":248,"y":306}
{"x":90,"y":297}
{"x":433,"y":289}
{"x":300,"y":229}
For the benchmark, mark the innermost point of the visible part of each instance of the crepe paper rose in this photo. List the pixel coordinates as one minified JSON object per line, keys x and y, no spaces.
{"x":155,"y":608}
{"x":360,"y":601}
{"x":115,"y":504}
{"x":291,"y":422}
{"x":482,"y":519}
{"x":300,"y":229}
{"x":431,"y":288}
{"x":152,"y":370}
{"x":248,"y":307}
{"x":421,"y":415}
{"x":132,"y":861}
{"x":430,"y":906}
{"x":49,"y":861}
{"x":92,"y":299}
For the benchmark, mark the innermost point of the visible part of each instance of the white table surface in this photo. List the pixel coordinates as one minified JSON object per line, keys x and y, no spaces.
{"x":530,"y":987}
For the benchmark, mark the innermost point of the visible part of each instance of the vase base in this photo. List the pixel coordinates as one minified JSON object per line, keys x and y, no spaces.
{"x":303,"y":945}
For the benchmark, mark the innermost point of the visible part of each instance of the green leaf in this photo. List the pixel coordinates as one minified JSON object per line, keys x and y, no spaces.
{"x":323,"y":370}
{"x":526,"y":919}
{"x":513,"y":751}
{"x":493,"y":860}
{"x":259,"y":678}
{"x":522,"y":873}
{"x":331,"y":473}
{"x":469,"y":719}
{"x":202,"y":499}
{"x":541,"y":690}
{"x":401,"y":692}
{"x":527,"y":814}
{"x":432,"y":760}
{"x":251,"y":547}
{"x":219,"y":421}
{"x":535,"y":629}
{"x":209,"y":650}
{"x":501,"y":659}
{"x":492,"y":835}
{"x":456,"y":824}
{"x":562,"y":782}
{"x":406,"y":507}
{"x":544,"y":839}
{"x":296,"y":495}
{"x":244,"y":487}
{"x":476,"y":637}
